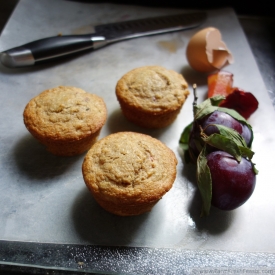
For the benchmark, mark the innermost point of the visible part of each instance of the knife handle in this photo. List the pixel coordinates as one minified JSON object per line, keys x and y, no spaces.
{"x":50,"y":48}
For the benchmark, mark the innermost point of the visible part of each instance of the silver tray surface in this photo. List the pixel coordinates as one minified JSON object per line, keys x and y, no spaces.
{"x":43,"y":198}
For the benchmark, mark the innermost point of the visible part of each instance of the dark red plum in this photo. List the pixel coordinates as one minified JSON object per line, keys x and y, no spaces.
{"x":219,"y":118}
{"x":233,"y":182}
{"x":225,"y":119}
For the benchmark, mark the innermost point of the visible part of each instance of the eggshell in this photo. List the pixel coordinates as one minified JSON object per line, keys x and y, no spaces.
{"x":206,"y":52}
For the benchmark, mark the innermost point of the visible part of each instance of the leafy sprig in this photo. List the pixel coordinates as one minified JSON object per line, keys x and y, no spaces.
{"x":226,"y":139}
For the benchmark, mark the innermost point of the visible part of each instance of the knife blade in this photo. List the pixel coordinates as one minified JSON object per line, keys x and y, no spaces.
{"x":51,"y":48}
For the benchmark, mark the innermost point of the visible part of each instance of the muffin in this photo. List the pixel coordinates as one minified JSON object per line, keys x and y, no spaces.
{"x":128,"y":173}
{"x":151,"y":96}
{"x":67,"y":120}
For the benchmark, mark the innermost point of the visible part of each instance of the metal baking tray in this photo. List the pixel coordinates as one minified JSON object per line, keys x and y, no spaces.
{"x":48,"y":219}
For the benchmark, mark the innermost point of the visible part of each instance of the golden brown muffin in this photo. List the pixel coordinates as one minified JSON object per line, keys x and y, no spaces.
{"x":128,"y":173}
{"x":151,"y":96}
{"x":66,"y":119}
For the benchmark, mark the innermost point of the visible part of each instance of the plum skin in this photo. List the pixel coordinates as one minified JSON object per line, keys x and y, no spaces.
{"x":219,"y":118}
{"x":233,"y":182}
{"x":225,"y":119}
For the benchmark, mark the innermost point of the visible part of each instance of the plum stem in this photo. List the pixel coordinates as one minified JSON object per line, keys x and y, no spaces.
{"x":202,"y":132}
{"x":195,"y":98}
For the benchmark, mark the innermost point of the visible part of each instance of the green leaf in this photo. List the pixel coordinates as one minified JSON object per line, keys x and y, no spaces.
{"x":184,"y":143}
{"x":230,"y":133}
{"x":208,"y":106}
{"x":213,"y":101}
{"x":246,"y":152}
{"x":216,"y":100}
{"x":254,"y":169}
{"x":234,"y":114}
{"x":225,"y":144}
{"x":184,"y":138}
{"x":205,"y":111}
{"x":204,"y":182}
{"x":231,"y":142}
{"x":239,"y":118}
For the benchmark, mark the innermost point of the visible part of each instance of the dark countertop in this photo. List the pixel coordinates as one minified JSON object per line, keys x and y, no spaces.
{"x":261,"y":37}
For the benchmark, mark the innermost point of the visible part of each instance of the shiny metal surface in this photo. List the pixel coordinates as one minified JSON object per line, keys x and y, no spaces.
{"x":148,"y":26}
{"x":99,"y":41}
{"x":19,"y":57}
{"x":105,"y":34}
{"x":43,"y":198}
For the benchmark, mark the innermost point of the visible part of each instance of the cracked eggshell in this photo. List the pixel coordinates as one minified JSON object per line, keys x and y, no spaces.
{"x":206,"y":52}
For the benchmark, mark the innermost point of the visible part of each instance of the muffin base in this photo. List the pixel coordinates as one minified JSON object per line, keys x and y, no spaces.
{"x":125,"y":209}
{"x":149,"y":121}
{"x":67,"y":148}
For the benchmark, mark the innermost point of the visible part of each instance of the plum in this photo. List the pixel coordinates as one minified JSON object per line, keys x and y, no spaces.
{"x":206,"y":123}
{"x":233,"y":182}
{"x":225,"y":119}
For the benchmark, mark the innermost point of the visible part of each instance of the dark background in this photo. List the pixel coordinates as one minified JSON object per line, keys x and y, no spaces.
{"x":252,"y":8}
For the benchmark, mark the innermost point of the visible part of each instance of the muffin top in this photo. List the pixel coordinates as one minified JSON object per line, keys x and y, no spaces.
{"x":153,"y":89}
{"x":129,"y":167}
{"x":65,"y":113}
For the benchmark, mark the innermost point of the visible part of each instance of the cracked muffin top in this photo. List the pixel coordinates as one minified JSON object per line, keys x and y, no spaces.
{"x":128,"y":167}
{"x":153,"y":89}
{"x":65,"y":113}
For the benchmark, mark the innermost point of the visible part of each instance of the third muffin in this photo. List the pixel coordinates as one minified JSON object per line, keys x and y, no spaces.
{"x":128,"y":172}
{"x":151,"y":96}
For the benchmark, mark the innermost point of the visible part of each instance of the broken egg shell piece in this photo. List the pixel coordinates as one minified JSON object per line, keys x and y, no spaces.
{"x":206,"y":52}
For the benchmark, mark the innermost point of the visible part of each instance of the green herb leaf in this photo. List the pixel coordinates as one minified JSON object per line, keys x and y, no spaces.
{"x":212,"y":101}
{"x":216,"y":100}
{"x":208,"y":106}
{"x":241,"y":119}
{"x":229,"y":141}
{"x":184,"y":138}
{"x":230,"y":133}
{"x":254,"y":169}
{"x":206,"y":111}
{"x":234,"y":114}
{"x":225,"y":144}
{"x":246,"y":152}
{"x":204,"y":182}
